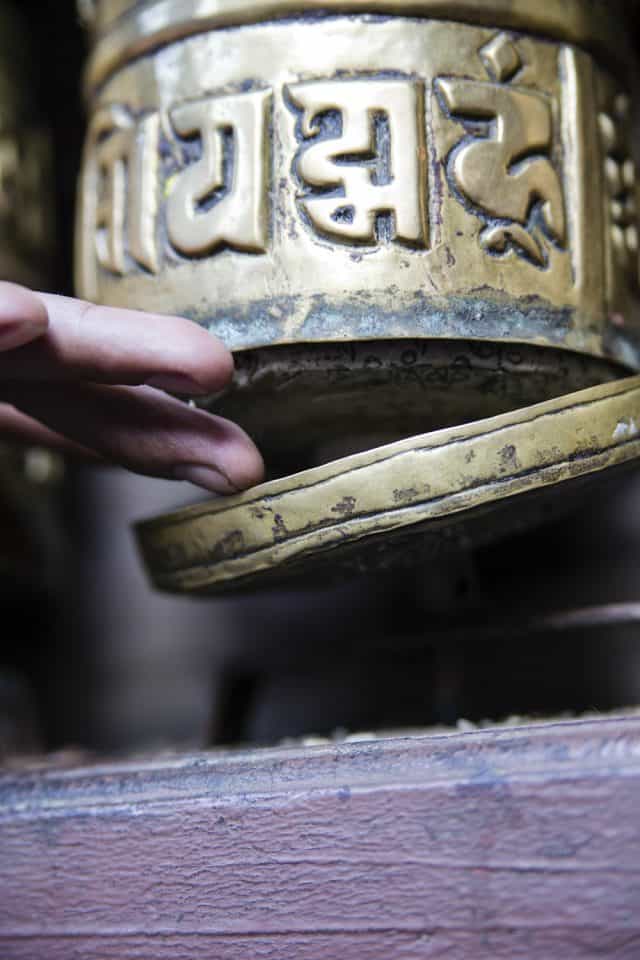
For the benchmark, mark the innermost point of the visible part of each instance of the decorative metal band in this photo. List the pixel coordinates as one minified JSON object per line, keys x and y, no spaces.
{"x":399,"y":489}
{"x":362,"y":178}
{"x":125,"y":29}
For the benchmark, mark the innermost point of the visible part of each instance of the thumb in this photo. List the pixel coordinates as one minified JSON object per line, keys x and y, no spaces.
{"x":23,"y":316}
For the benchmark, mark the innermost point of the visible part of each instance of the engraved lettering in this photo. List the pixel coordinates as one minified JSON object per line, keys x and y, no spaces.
{"x":502,"y":167}
{"x":362,"y":159}
{"x":126,"y":160}
{"x":221,"y":199}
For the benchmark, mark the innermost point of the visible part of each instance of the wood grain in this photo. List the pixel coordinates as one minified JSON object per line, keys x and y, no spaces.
{"x":514,"y":843}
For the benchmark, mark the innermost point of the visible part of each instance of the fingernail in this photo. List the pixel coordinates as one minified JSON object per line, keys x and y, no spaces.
{"x":23,"y":316}
{"x":175,"y":383}
{"x":15,"y":333}
{"x":207,"y":477}
{"x":9,"y":328}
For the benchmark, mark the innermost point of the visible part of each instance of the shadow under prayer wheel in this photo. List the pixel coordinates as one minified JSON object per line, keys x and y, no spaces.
{"x":401,"y":216}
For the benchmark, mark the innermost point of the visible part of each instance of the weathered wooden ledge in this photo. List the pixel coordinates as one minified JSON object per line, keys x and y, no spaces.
{"x":514,"y":843}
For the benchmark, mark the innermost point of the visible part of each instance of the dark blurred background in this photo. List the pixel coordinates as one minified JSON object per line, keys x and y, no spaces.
{"x":543,"y":623}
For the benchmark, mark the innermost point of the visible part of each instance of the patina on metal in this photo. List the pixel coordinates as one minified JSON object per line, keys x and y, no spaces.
{"x":411,"y":487}
{"x":400,"y":215}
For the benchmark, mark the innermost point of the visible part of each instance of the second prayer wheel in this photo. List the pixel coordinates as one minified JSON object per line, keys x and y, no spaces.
{"x":400,"y":215}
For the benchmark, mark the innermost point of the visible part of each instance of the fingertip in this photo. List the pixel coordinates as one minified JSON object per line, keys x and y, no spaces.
{"x":201,"y":363}
{"x":253,"y":470}
{"x":242,"y":462}
{"x":23,"y":316}
{"x":228,"y":475}
{"x":224,"y":445}
{"x":208,"y":478}
{"x":215,"y":364}
{"x":224,"y":360}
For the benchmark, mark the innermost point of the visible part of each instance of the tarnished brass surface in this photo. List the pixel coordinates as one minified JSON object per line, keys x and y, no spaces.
{"x":356,"y":178}
{"x":408,"y":487}
{"x":307,"y":403}
{"x":127,"y":28}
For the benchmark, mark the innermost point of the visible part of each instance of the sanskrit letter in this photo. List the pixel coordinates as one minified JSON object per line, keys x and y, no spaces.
{"x":221,"y":198}
{"x":126,"y":159}
{"x":505,"y":172}
{"x":363,"y":157}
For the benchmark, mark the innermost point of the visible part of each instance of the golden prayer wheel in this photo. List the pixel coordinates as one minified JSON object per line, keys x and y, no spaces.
{"x":401,"y":216}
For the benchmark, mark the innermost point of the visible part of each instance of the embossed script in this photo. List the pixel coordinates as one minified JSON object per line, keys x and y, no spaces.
{"x":502,"y":167}
{"x":362,"y":161}
{"x":221,"y":199}
{"x":196,"y":179}
{"x":126,"y":161}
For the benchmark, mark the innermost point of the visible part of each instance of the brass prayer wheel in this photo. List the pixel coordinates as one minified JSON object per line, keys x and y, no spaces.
{"x":400,"y":215}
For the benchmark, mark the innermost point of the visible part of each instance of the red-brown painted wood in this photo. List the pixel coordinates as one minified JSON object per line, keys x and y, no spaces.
{"x":516,"y":843}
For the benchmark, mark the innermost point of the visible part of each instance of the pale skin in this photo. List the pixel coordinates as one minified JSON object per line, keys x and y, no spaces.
{"x":92,"y":381}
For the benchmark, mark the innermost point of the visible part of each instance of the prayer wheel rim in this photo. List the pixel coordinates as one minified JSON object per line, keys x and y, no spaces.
{"x":426,"y":485}
{"x":125,"y":29}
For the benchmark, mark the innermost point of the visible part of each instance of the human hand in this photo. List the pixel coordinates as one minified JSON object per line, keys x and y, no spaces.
{"x":91,"y":379}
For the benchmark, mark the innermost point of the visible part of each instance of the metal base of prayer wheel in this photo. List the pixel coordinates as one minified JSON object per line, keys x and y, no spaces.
{"x":360,"y":504}
{"x":311,"y":403}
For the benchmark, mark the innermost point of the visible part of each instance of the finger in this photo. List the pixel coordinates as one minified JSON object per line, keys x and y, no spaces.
{"x":16,"y":427}
{"x":145,"y":430}
{"x":23,"y":316}
{"x":110,"y":345}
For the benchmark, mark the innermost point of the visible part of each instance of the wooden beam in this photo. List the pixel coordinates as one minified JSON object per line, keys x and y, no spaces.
{"x":508,"y":843}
